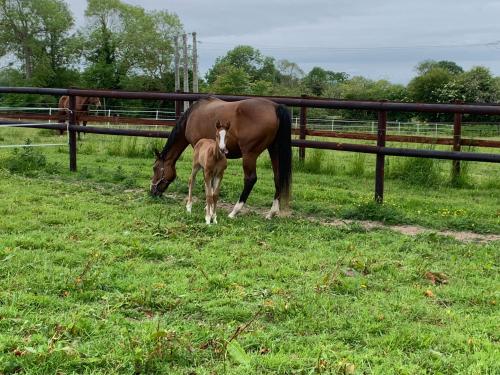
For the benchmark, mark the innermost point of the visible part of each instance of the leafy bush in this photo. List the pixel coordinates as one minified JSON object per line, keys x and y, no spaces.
{"x":26,"y":160}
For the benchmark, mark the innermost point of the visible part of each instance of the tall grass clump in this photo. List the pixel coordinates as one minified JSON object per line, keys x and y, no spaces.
{"x":415,"y":171}
{"x":357,"y":165}
{"x":316,"y":162}
{"x":133,"y":147}
{"x":464,"y":178}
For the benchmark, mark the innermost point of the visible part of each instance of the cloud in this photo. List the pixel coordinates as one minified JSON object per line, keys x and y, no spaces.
{"x":347,"y":35}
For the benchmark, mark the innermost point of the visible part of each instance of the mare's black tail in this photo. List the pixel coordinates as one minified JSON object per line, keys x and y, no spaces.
{"x":284,"y":144}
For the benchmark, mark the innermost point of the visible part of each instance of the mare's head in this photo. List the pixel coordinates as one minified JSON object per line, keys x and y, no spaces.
{"x":220,"y":135}
{"x":94,"y":100}
{"x":163,"y":174}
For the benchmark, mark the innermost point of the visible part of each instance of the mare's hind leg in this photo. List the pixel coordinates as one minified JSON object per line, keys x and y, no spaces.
{"x":192,"y":179}
{"x":275,"y":208}
{"x":249,"y":168}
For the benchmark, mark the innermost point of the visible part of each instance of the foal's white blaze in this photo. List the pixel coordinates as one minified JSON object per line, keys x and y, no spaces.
{"x":237,"y":208}
{"x":222,"y":140}
{"x":275,"y":209}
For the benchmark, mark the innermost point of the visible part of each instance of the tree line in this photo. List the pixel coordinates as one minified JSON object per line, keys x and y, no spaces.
{"x":123,"y":46}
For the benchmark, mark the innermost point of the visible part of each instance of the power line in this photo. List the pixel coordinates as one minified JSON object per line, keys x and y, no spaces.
{"x":495,"y":44}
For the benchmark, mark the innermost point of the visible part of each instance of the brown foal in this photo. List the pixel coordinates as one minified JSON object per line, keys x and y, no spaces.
{"x":209,"y":155}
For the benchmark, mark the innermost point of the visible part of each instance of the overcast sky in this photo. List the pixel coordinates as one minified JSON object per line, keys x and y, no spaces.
{"x":379,"y":39}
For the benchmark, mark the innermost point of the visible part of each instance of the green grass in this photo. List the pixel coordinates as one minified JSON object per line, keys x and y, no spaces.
{"x":97,"y":277}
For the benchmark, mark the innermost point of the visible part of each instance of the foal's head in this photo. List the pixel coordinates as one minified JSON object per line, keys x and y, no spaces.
{"x":220,"y":134}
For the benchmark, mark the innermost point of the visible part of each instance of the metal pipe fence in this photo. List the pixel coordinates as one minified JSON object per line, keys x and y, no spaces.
{"x":381,"y":127}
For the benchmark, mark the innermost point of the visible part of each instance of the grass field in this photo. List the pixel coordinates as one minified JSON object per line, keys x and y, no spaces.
{"x":97,"y":277}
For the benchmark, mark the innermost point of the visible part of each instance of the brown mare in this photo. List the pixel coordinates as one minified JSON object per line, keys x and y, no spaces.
{"x":209,"y":155}
{"x":256,"y":125}
{"x":81,"y":107}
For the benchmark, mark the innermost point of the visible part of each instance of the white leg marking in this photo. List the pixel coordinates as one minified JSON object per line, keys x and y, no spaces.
{"x":237,"y":208}
{"x":189,"y":206}
{"x":275,"y":209}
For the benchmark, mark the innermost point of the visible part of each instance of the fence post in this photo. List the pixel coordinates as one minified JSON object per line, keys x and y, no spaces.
{"x":457,"y":139}
{"x":379,"y":169}
{"x":72,"y":133}
{"x":302,"y":130}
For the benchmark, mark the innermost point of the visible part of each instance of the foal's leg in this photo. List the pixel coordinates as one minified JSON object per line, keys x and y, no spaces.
{"x":209,"y":197}
{"x":249,"y":168}
{"x":189,"y":204}
{"x":216,"y":186}
{"x":275,"y":208}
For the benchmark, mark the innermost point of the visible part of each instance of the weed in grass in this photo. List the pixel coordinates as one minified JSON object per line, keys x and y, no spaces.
{"x":26,"y":160}
{"x":385,"y":213}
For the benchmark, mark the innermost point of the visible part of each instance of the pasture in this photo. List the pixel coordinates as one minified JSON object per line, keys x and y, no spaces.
{"x":98,"y":277}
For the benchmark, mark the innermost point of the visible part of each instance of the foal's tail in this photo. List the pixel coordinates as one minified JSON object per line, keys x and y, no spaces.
{"x":284,"y":144}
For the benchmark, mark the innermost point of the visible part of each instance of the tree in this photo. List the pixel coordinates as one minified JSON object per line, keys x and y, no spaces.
{"x":318,"y":80}
{"x":257,"y":66}
{"x":36,"y":32}
{"x":474,"y":86}
{"x":426,"y":87}
{"x":289,"y":72}
{"x":427,"y":65}
{"x":129,"y":47}
{"x":231,"y":80}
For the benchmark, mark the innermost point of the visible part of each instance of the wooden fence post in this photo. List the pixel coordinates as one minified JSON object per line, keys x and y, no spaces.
{"x":379,"y":169}
{"x":302,"y":130}
{"x":72,"y":133}
{"x":457,"y":140}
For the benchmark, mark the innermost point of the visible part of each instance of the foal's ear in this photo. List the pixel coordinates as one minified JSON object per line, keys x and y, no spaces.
{"x":157,"y":153}
{"x":218,"y":125}
{"x":227,"y":125}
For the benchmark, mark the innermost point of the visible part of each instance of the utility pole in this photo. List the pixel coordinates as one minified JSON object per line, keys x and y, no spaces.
{"x":186,"y":71}
{"x":176,"y":63}
{"x":195,"y":64}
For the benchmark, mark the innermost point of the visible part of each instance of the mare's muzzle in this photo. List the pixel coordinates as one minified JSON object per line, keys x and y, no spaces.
{"x":159,"y":187}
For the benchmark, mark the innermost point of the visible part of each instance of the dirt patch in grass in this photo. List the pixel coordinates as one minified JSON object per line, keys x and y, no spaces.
{"x":409,"y":230}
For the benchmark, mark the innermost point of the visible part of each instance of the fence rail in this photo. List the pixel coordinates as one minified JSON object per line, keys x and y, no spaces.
{"x":380,"y":107}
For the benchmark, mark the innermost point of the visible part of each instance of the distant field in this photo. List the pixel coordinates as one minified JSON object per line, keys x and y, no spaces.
{"x":97,"y":277}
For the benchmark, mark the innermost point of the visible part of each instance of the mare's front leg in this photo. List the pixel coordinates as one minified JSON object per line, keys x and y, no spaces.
{"x":249,"y":169}
{"x":189,"y":204}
